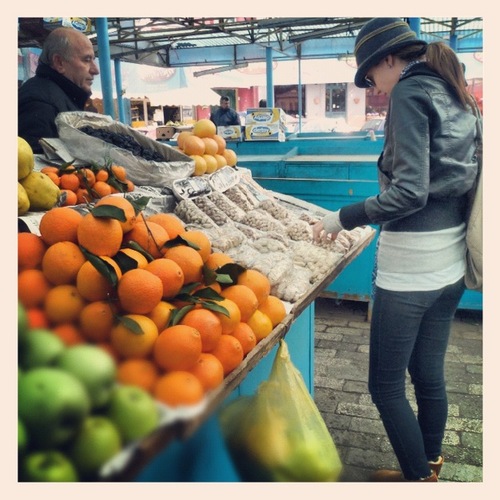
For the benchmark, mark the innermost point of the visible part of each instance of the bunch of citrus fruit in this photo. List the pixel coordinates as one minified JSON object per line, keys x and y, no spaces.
{"x":86,"y":184}
{"x":206,"y":148}
{"x":176,"y":316}
{"x":35,"y":190}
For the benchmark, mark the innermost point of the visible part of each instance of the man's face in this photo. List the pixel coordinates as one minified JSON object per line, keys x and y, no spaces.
{"x":80,"y":67}
{"x":224,"y":104}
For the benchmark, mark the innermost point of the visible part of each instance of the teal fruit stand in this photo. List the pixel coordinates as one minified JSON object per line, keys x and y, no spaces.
{"x":192,"y":449}
{"x":328,"y":170}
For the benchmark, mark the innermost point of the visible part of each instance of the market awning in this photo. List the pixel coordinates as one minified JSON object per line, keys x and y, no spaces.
{"x":284,"y":73}
{"x":312,"y":71}
{"x":162,"y":86}
{"x":189,"y":96}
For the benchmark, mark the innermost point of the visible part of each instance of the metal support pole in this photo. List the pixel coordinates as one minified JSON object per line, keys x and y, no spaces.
{"x":300,"y":94}
{"x":414,"y":23}
{"x":269,"y":78}
{"x":454,"y":42}
{"x":105,"y":65}
{"x":119,"y":90}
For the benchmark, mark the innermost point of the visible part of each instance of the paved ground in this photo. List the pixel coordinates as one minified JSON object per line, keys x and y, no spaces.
{"x":341,"y":393}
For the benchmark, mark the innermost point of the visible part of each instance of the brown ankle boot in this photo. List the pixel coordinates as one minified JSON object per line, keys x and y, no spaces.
{"x":393,"y":476}
{"x":436,"y":466}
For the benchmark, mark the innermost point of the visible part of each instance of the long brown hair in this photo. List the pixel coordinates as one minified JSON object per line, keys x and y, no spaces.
{"x":443,"y":60}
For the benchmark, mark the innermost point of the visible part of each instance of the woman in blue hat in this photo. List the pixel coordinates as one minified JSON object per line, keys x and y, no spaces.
{"x":426,"y":170}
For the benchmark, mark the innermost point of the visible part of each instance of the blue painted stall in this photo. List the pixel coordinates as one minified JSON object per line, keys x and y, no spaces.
{"x":194,"y":450}
{"x":329,"y":170}
{"x":326,"y":170}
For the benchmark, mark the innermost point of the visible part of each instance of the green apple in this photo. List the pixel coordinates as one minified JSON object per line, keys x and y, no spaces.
{"x":41,"y":347}
{"x":96,"y":442}
{"x":22,"y":437}
{"x":52,"y":405}
{"x":134,"y":411}
{"x":94,"y":367}
{"x":47,"y":466}
{"x":22,"y":323}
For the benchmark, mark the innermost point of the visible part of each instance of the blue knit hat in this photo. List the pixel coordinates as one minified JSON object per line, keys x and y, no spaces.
{"x":378,"y":38}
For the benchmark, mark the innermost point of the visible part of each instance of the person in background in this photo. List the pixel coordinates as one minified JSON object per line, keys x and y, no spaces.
{"x":262,"y":103}
{"x":224,"y":116}
{"x":62,"y":82}
{"x":426,"y":170}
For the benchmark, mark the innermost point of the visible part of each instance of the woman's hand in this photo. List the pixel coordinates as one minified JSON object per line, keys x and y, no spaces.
{"x":327,"y":228}
{"x":319,"y":233}
{"x":317,"y":230}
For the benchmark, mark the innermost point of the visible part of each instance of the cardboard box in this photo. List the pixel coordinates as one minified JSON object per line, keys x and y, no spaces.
{"x":265,"y":124}
{"x":265,"y":116}
{"x":230,"y":132}
{"x":265,"y":132}
{"x":165,"y":132}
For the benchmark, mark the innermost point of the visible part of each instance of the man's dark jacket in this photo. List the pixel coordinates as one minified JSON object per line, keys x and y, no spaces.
{"x":225,"y":117}
{"x":41,"y":99}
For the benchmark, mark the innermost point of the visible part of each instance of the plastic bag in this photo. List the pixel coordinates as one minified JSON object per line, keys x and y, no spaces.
{"x":278,"y":434}
{"x":142,"y":172}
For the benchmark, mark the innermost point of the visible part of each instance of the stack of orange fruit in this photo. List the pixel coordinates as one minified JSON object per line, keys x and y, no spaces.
{"x":145,"y":294}
{"x":87,"y":184}
{"x":206,"y":148}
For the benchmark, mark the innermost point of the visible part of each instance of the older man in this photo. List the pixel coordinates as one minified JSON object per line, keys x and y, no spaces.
{"x":62,"y":82}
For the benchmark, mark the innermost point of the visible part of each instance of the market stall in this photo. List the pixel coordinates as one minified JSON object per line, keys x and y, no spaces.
{"x":259,"y":229}
{"x":157,"y":456}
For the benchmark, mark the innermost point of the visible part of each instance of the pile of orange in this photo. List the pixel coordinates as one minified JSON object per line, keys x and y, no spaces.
{"x":89,"y":280}
{"x":87,"y":184}
{"x":206,"y":147}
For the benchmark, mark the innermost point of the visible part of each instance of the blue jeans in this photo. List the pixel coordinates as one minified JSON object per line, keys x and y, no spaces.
{"x":410,"y":331}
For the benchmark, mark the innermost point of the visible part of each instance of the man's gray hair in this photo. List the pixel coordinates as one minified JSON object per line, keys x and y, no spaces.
{"x":57,"y":42}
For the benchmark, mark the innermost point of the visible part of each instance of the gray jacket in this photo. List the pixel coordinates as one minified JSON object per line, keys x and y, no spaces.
{"x":429,"y":161}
